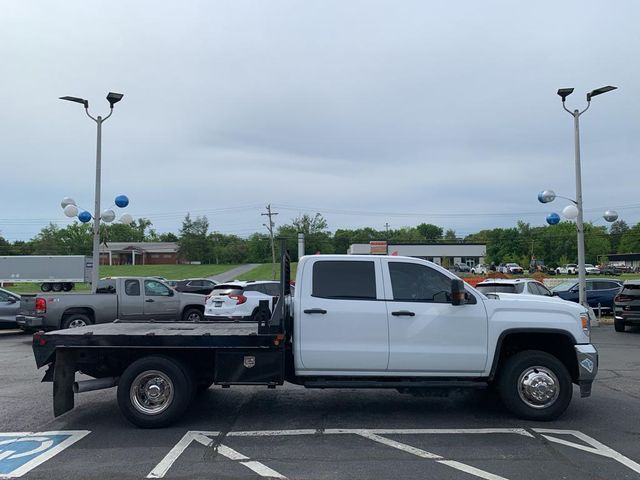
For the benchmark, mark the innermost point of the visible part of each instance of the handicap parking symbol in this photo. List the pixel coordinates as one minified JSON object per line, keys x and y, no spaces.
{"x":21,"y":452}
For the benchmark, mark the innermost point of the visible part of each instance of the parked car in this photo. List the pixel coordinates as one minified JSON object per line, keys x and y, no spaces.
{"x":9,"y":306}
{"x":568,"y":269}
{"x":591,"y":270}
{"x":610,"y":270}
{"x":627,"y":305}
{"x":461,"y":267}
{"x":202,"y":286}
{"x":522,"y":286}
{"x":123,"y":298}
{"x":480,"y":269}
{"x":599,"y":292}
{"x":239,"y":300}
{"x":510,"y":268}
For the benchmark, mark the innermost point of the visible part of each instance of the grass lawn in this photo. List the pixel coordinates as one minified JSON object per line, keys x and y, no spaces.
{"x":171,"y":272}
{"x":263,"y":272}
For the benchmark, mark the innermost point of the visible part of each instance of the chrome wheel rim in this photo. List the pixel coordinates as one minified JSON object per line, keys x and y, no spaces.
{"x":151,"y":392}
{"x":538,"y":387}
{"x":193,"y":317}
{"x":77,"y":323}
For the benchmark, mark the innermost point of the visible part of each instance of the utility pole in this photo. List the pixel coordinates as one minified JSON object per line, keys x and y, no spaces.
{"x":386,"y":226}
{"x":270,"y":226}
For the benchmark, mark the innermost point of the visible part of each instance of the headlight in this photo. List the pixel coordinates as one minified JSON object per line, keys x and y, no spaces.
{"x":586,"y":324}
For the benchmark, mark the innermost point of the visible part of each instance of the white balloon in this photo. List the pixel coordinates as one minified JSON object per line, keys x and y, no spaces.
{"x":67,"y":201}
{"x":126,"y":219}
{"x":570,"y":212}
{"x":108,"y":216}
{"x":71,"y":210}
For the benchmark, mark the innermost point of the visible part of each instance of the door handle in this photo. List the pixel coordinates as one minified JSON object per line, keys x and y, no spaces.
{"x":316,"y":310}
{"x":403,"y":313}
{"x":149,"y":300}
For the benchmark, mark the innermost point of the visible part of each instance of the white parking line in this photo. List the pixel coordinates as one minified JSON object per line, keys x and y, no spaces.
{"x":599,"y":448}
{"x":424,"y":454}
{"x":204,"y":439}
{"x":207,"y":438}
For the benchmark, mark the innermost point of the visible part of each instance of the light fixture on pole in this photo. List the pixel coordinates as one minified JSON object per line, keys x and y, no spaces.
{"x":564,"y":93}
{"x":112,"y":98}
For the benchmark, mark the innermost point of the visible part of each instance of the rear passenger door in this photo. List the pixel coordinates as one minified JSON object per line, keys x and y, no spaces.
{"x":343,"y":323}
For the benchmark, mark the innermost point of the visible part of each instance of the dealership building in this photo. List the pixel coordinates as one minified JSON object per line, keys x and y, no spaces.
{"x":443,"y":253}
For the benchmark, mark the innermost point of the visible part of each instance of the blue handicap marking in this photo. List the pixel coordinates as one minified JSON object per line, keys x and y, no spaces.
{"x":20,"y":452}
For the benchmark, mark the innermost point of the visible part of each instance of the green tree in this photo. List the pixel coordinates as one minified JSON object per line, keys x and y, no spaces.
{"x":429,"y":232}
{"x":630,"y":242}
{"x":193,"y":243}
{"x":317,"y":237}
{"x":450,"y":235}
{"x":616,"y":232}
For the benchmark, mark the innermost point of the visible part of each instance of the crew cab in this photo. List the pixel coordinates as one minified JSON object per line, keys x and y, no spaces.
{"x":123,"y":298}
{"x":355,"y":322}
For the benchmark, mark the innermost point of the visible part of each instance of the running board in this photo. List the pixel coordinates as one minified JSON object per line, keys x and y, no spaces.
{"x":398,"y":384}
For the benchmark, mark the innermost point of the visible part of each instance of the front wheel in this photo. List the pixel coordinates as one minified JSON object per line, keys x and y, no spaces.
{"x":154,"y":391}
{"x":535,"y":385}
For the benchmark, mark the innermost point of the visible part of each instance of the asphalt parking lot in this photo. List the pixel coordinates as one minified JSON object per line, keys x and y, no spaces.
{"x":250,"y":433}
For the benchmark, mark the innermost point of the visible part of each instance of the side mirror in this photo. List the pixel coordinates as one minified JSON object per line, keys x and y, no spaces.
{"x":458,"y":293}
{"x":12,"y":300}
{"x":171,"y":293}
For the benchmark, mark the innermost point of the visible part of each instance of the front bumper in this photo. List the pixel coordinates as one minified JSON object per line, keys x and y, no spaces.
{"x":26,"y":322}
{"x":587,"y":358}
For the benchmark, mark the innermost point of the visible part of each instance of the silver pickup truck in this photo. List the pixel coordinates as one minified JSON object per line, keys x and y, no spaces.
{"x":123,"y":298}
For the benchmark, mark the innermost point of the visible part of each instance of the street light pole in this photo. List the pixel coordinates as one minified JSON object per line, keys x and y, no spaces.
{"x":582,"y":274}
{"x":112,"y":98}
{"x":95,"y":272}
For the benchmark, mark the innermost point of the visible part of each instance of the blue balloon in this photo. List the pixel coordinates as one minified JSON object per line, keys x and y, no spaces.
{"x":122,"y":201}
{"x":84,"y":216}
{"x":553,"y":219}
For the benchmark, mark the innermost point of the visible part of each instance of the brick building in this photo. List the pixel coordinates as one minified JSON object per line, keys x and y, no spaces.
{"x":139,"y":253}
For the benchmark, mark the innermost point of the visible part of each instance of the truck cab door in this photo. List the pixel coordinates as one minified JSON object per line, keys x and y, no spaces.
{"x":130,"y":302}
{"x":342,"y":319}
{"x":427,"y":334}
{"x":160,"y":302}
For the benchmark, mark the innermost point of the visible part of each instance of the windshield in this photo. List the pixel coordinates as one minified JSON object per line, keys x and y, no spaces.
{"x":564,"y":286}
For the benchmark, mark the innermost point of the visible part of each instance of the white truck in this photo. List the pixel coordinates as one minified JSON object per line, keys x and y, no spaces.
{"x":53,"y":272}
{"x":354,"y":322}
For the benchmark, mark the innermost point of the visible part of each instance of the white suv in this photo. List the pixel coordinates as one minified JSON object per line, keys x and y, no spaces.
{"x":239,"y":300}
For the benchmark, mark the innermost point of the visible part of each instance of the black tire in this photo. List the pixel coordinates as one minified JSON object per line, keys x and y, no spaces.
{"x":192,"y":315}
{"x":154,"y":372}
{"x":56,"y":287}
{"x":45,"y":287}
{"x":545,"y":370}
{"x":67,"y":287}
{"x":75,"y":320}
{"x":619,"y":325}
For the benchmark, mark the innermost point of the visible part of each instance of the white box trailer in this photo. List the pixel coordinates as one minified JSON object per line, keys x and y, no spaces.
{"x":53,"y":272}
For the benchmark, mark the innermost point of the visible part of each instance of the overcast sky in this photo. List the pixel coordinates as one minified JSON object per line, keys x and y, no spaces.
{"x":367,"y":112}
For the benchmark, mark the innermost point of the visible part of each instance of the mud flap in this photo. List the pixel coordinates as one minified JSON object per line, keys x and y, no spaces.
{"x":64,"y":375}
